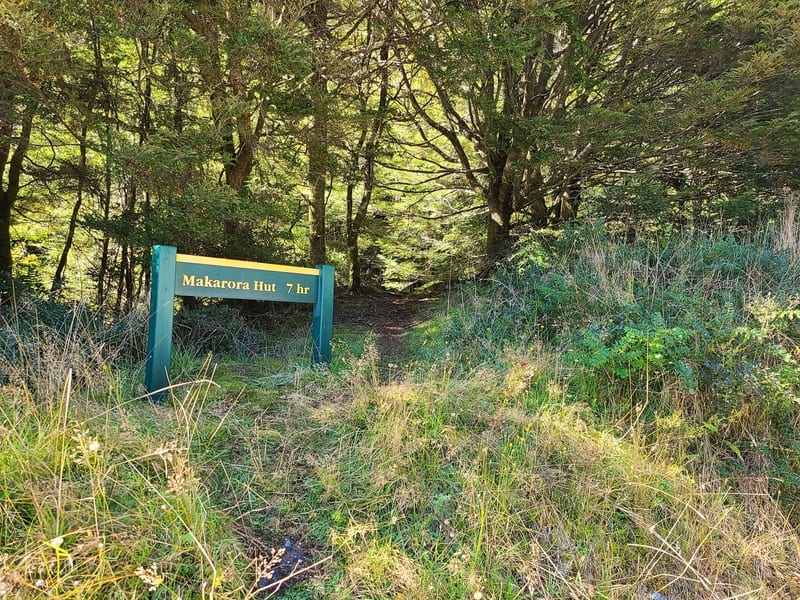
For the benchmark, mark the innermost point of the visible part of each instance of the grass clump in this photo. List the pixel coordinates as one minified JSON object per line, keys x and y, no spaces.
{"x":607,"y":419}
{"x":694,"y":336}
{"x":463,"y":483}
{"x":105,"y":495}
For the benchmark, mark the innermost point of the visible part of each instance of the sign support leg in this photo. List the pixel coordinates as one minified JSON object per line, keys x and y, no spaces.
{"x":159,"y":337}
{"x":322,"y":328}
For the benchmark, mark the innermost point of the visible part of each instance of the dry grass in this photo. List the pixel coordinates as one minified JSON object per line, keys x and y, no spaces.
{"x":470,"y":483}
{"x":786,"y":234}
{"x":104,"y":494}
{"x":484,"y":471}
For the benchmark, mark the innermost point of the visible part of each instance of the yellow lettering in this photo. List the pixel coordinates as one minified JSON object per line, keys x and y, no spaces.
{"x":296,"y":288}
{"x":226,"y":284}
{"x":263,"y":286}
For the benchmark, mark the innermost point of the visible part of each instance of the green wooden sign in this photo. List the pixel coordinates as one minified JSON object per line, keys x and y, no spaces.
{"x":186,"y":275}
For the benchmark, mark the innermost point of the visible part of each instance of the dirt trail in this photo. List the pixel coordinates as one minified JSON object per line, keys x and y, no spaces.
{"x":387,"y":315}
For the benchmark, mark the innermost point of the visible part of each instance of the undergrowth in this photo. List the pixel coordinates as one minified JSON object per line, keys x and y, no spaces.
{"x":690,"y":340}
{"x":104,"y":494}
{"x":604,"y":419}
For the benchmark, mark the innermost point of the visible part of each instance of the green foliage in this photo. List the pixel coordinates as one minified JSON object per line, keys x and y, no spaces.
{"x":635,"y":350}
{"x":607,"y":416}
{"x":129,"y":514}
{"x":490,"y":465}
{"x":167,"y":124}
{"x":702,"y":325}
{"x":231,"y":329}
{"x":455,"y":478}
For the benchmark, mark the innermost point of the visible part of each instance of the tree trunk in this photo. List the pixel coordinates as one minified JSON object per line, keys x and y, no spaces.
{"x":10,"y":192}
{"x":105,"y":201}
{"x":538,"y":210}
{"x":224,"y":76}
{"x":317,"y":145}
{"x":144,"y":272}
{"x":502,"y":160}
{"x":498,"y":234}
{"x":500,"y":204}
{"x":368,"y":141}
{"x":58,"y":278}
{"x":570,"y":199}
{"x":107,"y":105}
{"x":6,"y":262}
{"x":355,"y":263}
{"x":355,"y":220}
{"x":317,"y":175}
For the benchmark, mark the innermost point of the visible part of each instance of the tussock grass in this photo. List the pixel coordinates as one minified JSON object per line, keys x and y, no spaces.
{"x":785,"y":234}
{"x":606,"y":419}
{"x":459,"y":485}
{"x":104,"y":495}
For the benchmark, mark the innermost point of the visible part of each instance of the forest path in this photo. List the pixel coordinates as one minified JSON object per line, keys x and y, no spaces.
{"x":387,"y":315}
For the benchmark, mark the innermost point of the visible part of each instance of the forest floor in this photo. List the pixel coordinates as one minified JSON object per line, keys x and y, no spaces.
{"x":385,"y":315}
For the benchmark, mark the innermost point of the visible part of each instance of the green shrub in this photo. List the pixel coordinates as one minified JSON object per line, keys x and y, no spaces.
{"x":690,"y":324}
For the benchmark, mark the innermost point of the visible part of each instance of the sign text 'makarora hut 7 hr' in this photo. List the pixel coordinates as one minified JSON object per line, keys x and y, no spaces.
{"x":186,"y":275}
{"x":245,"y":280}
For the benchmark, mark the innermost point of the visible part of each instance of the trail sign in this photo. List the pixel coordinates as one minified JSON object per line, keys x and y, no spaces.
{"x":187,"y":275}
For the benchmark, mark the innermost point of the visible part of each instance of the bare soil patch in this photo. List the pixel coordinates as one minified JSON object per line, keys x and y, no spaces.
{"x":387,"y":315}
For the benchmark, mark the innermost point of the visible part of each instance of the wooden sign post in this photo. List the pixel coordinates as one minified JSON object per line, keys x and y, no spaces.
{"x":176,"y":274}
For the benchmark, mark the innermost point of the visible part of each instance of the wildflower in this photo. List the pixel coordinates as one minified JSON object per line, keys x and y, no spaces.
{"x":150,"y":577}
{"x":6,"y":588}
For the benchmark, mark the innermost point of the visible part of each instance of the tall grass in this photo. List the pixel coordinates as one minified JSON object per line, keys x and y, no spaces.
{"x":469,"y":484}
{"x":606,"y":419}
{"x":104,"y":495}
{"x":694,"y":336}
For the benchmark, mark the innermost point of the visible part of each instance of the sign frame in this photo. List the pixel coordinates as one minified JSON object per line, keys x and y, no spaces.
{"x":176,"y":274}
